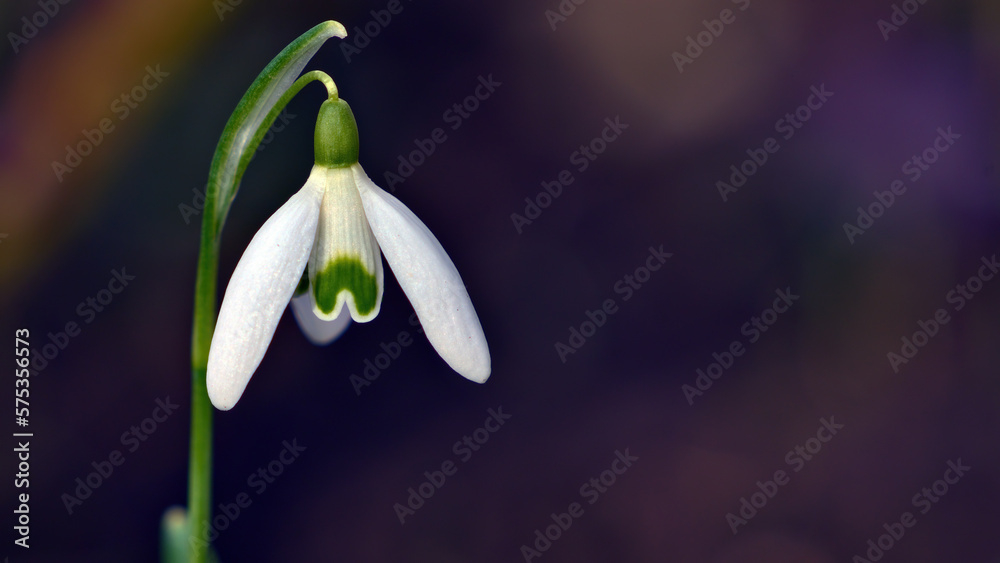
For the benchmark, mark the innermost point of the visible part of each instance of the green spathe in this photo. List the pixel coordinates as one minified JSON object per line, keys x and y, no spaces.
{"x":345,"y":273}
{"x":255,"y":114}
{"x":336,"y":135}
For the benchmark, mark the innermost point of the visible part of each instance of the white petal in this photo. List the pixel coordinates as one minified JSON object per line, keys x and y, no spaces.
{"x":345,"y":267}
{"x":429,"y":279}
{"x":317,"y":330}
{"x":258,"y":292}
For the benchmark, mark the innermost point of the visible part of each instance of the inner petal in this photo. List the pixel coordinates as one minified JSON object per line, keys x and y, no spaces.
{"x":346,"y":265}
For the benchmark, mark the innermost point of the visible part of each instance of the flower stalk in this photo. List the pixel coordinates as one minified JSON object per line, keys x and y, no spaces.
{"x":321,"y":252}
{"x":254,"y":115}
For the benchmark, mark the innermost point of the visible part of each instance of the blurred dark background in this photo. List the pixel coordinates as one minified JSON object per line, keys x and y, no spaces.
{"x":127,"y":207}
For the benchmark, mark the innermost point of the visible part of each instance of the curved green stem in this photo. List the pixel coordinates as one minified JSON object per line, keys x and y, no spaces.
{"x":206,"y":283}
{"x":254,"y":115}
{"x":331,"y":86}
{"x":250,"y":146}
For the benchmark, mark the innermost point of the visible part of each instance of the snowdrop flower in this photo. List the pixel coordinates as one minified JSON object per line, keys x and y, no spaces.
{"x":326,"y":244}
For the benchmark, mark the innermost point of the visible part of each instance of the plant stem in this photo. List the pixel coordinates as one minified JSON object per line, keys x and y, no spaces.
{"x":213,"y":217}
{"x":200,"y":462}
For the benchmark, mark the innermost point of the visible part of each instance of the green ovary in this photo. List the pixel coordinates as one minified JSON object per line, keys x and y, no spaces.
{"x":346,"y":274}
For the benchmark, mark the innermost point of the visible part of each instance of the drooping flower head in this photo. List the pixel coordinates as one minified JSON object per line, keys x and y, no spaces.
{"x":327,"y":242}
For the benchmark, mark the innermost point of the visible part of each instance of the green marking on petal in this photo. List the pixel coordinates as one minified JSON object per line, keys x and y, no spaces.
{"x":346,"y":274}
{"x":303,"y":283}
